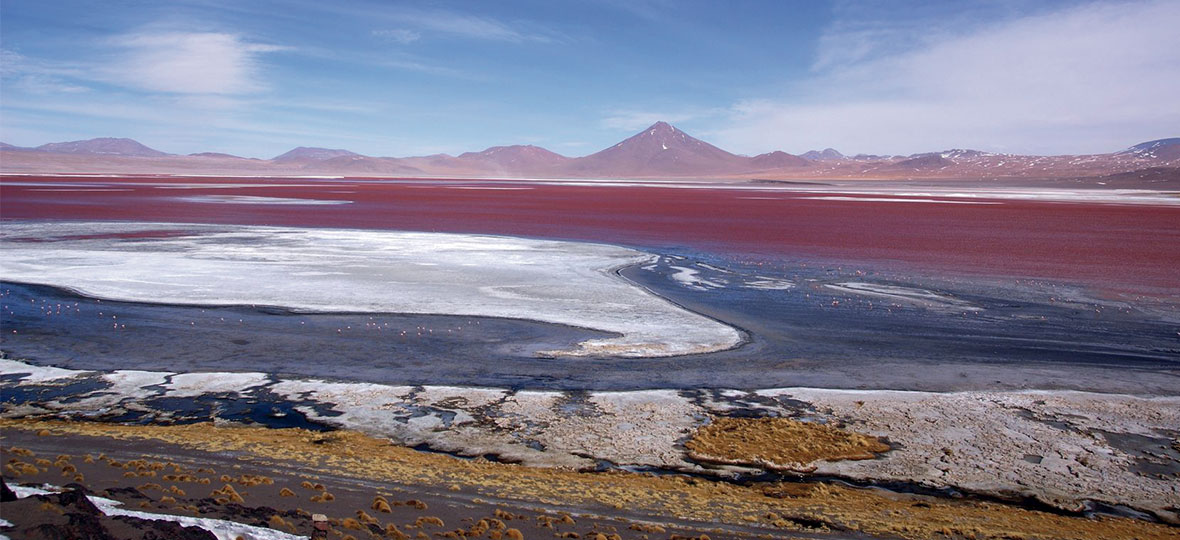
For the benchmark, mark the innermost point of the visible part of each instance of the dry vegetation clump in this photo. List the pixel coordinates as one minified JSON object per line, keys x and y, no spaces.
{"x":229,"y":493}
{"x":365,"y":518}
{"x":866,"y":512}
{"x":251,"y":480}
{"x":324,"y":496}
{"x":485,"y":525}
{"x":649,"y":528}
{"x":17,"y":468}
{"x":548,"y":521}
{"x":380,"y":504}
{"x":507,"y":516}
{"x":429,"y":520}
{"x":278,"y":523}
{"x":779,"y":443}
{"x":286,"y":493}
{"x":391,"y":531}
{"x":513,"y":534}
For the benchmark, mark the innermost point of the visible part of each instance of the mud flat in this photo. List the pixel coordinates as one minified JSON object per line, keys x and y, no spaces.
{"x":325,"y":270}
{"x":1068,"y":450}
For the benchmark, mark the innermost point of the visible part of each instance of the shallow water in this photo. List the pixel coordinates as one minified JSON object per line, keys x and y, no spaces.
{"x":801,"y":332}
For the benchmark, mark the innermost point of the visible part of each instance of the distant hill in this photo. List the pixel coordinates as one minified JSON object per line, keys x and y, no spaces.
{"x":777,"y":160}
{"x":363,"y":165}
{"x":1149,"y":178}
{"x":102,"y":146}
{"x":661,"y":150}
{"x":217,"y":155}
{"x":822,"y":155}
{"x":1166,"y":149}
{"x":308,"y":153}
{"x":925,"y":161}
{"x":516,"y":159}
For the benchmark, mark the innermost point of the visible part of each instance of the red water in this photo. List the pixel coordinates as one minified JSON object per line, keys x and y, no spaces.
{"x":1125,"y":247}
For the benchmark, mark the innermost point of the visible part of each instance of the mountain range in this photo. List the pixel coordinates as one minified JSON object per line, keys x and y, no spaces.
{"x":660,"y":151}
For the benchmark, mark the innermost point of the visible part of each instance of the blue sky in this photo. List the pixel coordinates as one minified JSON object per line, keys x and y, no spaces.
{"x":413,"y":78}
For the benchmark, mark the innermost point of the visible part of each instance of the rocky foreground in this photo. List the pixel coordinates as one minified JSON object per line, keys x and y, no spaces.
{"x":1071,"y":451}
{"x":275,"y":479}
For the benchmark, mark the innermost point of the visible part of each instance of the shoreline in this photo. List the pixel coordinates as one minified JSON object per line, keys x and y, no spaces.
{"x":367,"y":271}
{"x":1103,"y":448}
{"x":627,"y":502}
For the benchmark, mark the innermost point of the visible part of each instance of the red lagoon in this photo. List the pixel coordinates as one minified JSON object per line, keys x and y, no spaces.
{"x":1125,"y":247}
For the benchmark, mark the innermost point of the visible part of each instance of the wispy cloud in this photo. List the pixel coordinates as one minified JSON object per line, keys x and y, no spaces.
{"x":187,"y":63}
{"x":1088,"y":78}
{"x":39,"y":77}
{"x":399,"y":35}
{"x":469,"y":26}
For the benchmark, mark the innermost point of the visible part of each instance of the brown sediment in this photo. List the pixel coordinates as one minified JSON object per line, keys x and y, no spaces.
{"x":779,"y":443}
{"x":775,"y":508}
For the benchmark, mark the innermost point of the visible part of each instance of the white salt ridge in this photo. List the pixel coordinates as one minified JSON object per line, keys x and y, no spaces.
{"x":124,"y":384}
{"x":222,"y":529}
{"x":37,"y":374}
{"x":690,"y":278}
{"x":491,"y":188}
{"x":369,"y":271}
{"x":885,"y":199}
{"x":767,"y":283}
{"x":196,"y":384}
{"x":250,"y":199}
{"x":922,"y":297}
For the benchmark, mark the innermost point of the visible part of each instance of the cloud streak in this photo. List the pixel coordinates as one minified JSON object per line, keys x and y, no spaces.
{"x":1091,"y":78}
{"x":466,"y":26}
{"x":187,"y":63}
{"x":399,"y":35}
